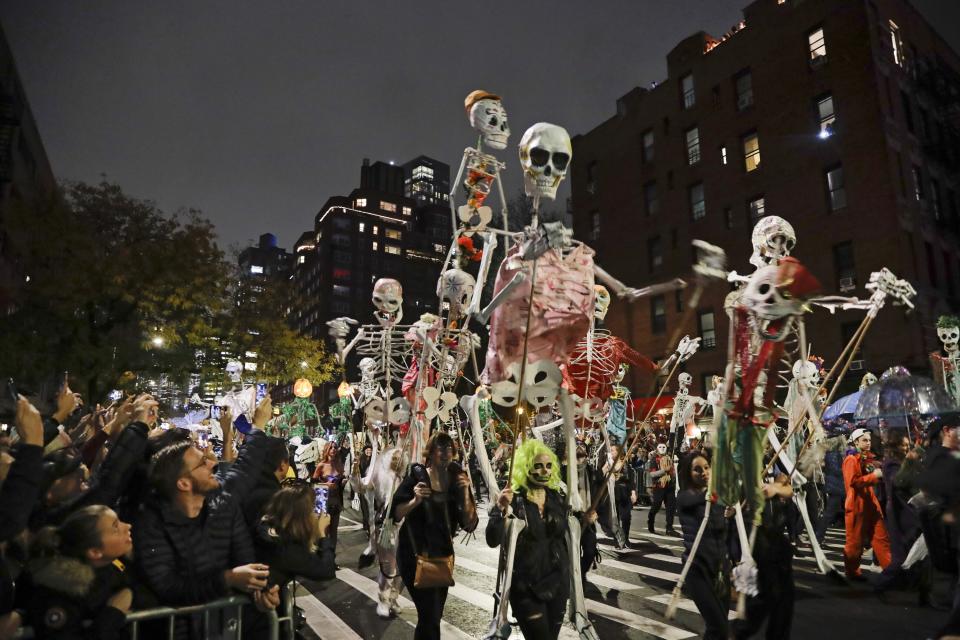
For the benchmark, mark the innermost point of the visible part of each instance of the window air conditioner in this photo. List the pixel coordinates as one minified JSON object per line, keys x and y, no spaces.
{"x":856,"y":365}
{"x":847,"y":284}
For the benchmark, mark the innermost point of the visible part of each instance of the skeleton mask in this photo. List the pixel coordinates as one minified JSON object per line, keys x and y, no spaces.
{"x":368,"y":368}
{"x":621,"y":373}
{"x":388,"y":298}
{"x":545,"y":153}
{"x":867,"y":380}
{"x":490,"y":119}
{"x":764,"y":299}
{"x":662,"y":449}
{"x":234,"y":370}
{"x":806,"y":373}
{"x":683,"y":382}
{"x":541,"y":470}
{"x":773,"y":238}
{"x":949,"y":336}
{"x":456,"y":287}
{"x":601,"y":302}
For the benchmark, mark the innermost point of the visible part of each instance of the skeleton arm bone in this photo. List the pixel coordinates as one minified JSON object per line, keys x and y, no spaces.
{"x":489,"y":244}
{"x":501,"y":297}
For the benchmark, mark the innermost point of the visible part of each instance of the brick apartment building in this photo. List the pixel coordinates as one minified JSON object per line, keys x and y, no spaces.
{"x":841,"y":116}
{"x":374,"y":232}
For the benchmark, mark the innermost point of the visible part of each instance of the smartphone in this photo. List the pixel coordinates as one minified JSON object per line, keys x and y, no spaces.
{"x":12,"y":390}
{"x":203,"y":436}
{"x":320,"y":500}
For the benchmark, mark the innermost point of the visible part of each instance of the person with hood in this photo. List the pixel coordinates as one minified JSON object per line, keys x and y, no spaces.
{"x":78,"y":574}
{"x":863,"y":516}
{"x":590,"y":480}
{"x":663,"y":483}
{"x":541,"y":573}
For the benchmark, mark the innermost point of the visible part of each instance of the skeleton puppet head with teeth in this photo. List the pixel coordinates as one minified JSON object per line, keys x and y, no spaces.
{"x":601,"y":302}
{"x":535,"y":467}
{"x":773,"y":238}
{"x":948,"y":330}
{"x":545,"y":153}
{"x":456,"y":288}
{"x":684,"y":380}
{"x":775,"y":296}
{"x":488,"y":116}
{"x":388,"y":300}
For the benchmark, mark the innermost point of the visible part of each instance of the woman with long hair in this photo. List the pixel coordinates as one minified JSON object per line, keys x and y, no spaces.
{"x":541,"y":572}
{"x":706,"y":583}
{"x":289,"y":538}
{"x":77,"y":574}
{"x":433,"y":501}
{"x":329,"y":475}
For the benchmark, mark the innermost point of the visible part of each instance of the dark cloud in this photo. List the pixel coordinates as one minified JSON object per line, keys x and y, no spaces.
{"x":256,"y":112}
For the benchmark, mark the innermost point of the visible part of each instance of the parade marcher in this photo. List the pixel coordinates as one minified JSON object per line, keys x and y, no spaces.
{"x":833,"y":487}
{"x":773,"y":554}
{"x":329,"y":473}
{"x":662,"y":479}
{"x":77,"y":574}
{"x":434,"y":501}
{"x":625,"y":494}
{"x":863,"y":516}
{"x":591,"y":480}
{"x":541,"y":573}
{"x":707,"y":582}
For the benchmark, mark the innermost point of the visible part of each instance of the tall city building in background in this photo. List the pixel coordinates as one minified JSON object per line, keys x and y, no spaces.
{"x":843,"y":117}
{"x":374,"y":232}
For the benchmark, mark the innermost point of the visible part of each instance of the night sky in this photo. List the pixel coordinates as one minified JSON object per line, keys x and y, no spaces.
{"x":256,"y":112}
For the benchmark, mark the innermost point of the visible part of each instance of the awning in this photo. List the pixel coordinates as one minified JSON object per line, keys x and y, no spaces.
{"x":642,"y":405}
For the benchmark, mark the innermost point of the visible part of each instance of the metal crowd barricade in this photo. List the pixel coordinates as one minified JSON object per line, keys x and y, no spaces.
{"x":232,"y":629}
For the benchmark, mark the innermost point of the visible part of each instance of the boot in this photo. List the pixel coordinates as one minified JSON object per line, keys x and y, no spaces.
{"x":650,"y":526}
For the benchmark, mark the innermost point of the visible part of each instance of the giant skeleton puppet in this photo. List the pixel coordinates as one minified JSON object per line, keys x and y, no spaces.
{"x":542,"y":307}
{"x":946,"y":367}
{"x":685,"y":409}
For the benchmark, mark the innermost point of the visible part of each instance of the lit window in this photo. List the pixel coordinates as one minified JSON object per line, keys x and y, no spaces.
{"x":388,"y":206}
{"x":648,"y":146}
{"x":595,"y":225}
{"x":360,"y":202}
{"x":826,"y":114}
{"x":757,"y":209}
{"x":744,"y":87}
{"x":376,"y":230}
{"x":301,"y":259}
{"x":896,"y":45}
{"x":255,"y":268}
{"x":818,"y":45}
{"x":361,"y":226}
{"x":708,"y":332}
{"x":393,"y":234}
{"x":835,"y":188}
{"x":374,"y":245}
{"x":423,"y":173}
{"x":693,"y":145}
{"x":751,"y":151}
{"x":407,"y":211}
{"x":723,"y":154}
{"x":392,"y":248}
{"x":917,"y":183}
{"x":439,"y":248}
{"x":686,"y":90}
{"x":250,"y":354}
{"x":698,"y":205}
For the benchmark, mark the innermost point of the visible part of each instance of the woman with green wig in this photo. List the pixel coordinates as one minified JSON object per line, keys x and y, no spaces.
{"x":541,"y":573}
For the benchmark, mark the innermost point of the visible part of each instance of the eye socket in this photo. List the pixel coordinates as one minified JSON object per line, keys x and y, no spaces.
{"x":560,"y":161}
{"x":492,"y":121}
{"x":539,"y":157}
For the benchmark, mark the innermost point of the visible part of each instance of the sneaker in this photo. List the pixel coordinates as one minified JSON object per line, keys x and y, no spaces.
{"x":394,"y":609}
{"x":383,"y":610}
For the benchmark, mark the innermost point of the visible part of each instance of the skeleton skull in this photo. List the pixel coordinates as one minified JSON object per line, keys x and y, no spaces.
{"x":773,"y":238}
{"x":621,"y":372}
{"x":601,"y":302}
{"x":684,"y":380}
{"x":806,"y":373}
{"x":763,"y":298}
{"x":456,"y":287}
{"x":867,"y":380}
{"x":949,"y":336}
{"x":368,"y":368}
{"x":662,"y":449}
{"x":234,"y":370}
{"x":490,"y":118}
{"x":387,"y":298}
{"x":545,"y":153}
{"x":540,"y":471}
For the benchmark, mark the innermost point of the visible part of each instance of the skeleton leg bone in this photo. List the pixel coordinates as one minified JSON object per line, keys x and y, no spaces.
{"x":500,"y":624}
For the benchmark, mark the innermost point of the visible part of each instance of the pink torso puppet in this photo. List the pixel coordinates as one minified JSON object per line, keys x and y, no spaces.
{"x":562,"y":309}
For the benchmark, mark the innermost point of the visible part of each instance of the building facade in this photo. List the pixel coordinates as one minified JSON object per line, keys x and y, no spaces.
{"x":842,"y":116}
{"x":374,"y":232}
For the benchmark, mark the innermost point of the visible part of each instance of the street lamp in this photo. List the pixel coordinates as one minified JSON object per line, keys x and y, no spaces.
{"x":157,"y":341}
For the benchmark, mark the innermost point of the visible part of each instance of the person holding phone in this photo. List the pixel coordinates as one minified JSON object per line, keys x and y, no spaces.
{"x":329,"y":474}
{"x":433,"y":502}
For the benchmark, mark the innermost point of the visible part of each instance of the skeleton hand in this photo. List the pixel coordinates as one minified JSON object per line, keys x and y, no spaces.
{"x":711,"y":260}
{"x":687,"y":347}
{"x":339,"y":328}
{"x":733,"y":276}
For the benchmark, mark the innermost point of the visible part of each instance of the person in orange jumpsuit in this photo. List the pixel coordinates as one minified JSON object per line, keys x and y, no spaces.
{"x":864,"y":519}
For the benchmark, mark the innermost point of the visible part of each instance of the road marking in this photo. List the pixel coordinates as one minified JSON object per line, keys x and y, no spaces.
{"x":638,"y":622}
{"x":640,"y":569}
{"x":685,"y":604}
{"x":324,"y":622}
{"x":662,"y":557}
{"x":369,"y":588}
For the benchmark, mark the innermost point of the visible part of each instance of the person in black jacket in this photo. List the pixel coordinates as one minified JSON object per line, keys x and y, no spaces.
{"x":591,"y":480}
{"x":287,"y":534}
{"x":541,"y":572}
{"x":707,"y":581}
{"x":192,"y":543}
{"x":835,"y":490}
{"x":77,"y":575}
{"x":433,"y":501}
{"x":275,"y":467}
